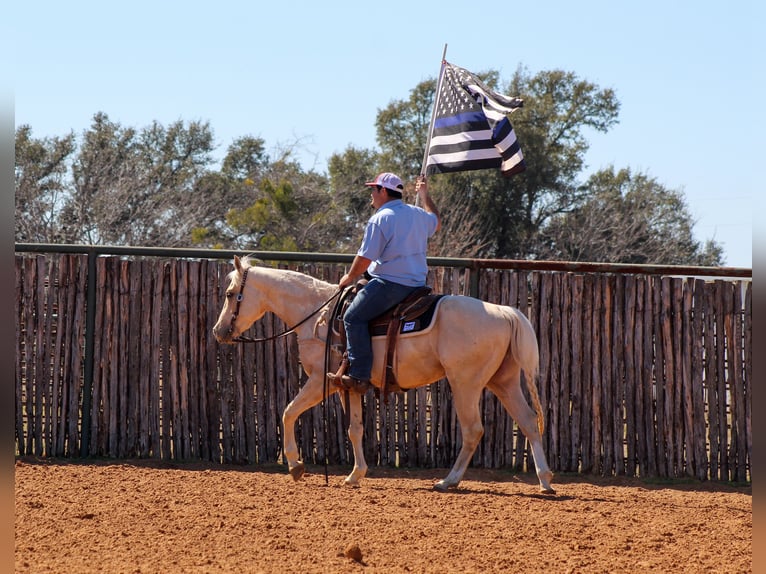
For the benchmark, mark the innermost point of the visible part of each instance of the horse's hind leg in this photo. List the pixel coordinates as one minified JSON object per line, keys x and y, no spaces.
{"x":466,"y":401}
{"x":506,"y":385}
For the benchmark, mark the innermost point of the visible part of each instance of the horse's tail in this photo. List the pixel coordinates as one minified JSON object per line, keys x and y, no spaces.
{"x":524,"y":349}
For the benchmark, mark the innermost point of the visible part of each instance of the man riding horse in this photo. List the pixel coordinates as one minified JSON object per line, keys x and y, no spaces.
{"x":393,"y":256}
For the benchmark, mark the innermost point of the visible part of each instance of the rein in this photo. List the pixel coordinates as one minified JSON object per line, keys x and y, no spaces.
{"x":234,"y":315}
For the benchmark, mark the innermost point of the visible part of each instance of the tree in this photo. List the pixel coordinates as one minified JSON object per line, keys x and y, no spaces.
{"x":40,"y":171}
{"x":402,"y":130}
{"x":284,"y":217}
{"x":267,"y":205}
{"x":463,"y":231}
{"x":348,"y":173}
{"x":558,"y":108}
{"x":246,"y":159}
{"x":626,"y":218}
{"x":507,"y":212}
{"x":134,"y":187}
{"x":232,"y":188}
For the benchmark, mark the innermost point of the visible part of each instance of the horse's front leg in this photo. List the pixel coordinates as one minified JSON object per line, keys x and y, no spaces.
{"x":310,"y":395}
{"x":355,"y":435}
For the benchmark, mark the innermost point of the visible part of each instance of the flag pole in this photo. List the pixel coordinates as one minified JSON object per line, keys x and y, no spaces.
{"x":433,"y":111}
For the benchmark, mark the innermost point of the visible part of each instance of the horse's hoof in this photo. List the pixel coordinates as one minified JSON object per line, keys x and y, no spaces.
{"x":545,"y":482}
{"x":441,"y":486}
{"x":297,"y":471}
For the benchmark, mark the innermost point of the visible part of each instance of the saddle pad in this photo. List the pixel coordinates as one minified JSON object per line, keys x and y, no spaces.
{"x":419,"y":323}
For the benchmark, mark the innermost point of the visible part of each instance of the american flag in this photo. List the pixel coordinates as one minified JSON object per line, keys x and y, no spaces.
{"x":471,"y":129}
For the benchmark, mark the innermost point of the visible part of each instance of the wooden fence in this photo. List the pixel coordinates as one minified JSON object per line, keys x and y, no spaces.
{"x":640,"y":374}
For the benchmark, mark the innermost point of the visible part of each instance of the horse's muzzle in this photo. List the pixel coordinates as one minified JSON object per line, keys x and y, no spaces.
{"x":223,"y":334}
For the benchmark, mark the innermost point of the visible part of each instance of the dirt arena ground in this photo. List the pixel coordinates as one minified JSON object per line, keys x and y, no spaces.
{"x":143,"y":516}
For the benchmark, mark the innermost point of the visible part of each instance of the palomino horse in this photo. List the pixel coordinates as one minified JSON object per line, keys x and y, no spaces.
{"x":472,"y":343}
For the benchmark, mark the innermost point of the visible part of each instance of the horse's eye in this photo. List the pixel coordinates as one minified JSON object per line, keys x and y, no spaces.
{"x":229,"y":294}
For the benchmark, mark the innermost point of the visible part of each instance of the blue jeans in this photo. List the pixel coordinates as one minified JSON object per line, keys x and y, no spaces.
{"x":376,"y":298}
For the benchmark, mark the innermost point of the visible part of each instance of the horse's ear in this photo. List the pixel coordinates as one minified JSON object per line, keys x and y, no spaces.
{"x":237,"y":264}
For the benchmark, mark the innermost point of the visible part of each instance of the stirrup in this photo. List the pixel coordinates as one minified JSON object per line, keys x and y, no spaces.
{"x":349,"y":383}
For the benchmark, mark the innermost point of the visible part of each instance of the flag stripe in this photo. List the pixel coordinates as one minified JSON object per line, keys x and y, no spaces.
{"x":461,"y":165}
{"x":462,"y":119}
{"x":470,"y":150}
{"x":474,"y":127}
{"x":508,"y":143}
{"x":512,"y":161}
{"x":503,"y":135}
{"x":456,"y":156}
{"x":473,"y":138}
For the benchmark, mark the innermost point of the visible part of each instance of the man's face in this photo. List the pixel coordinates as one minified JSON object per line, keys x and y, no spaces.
{"x":378,"y":196}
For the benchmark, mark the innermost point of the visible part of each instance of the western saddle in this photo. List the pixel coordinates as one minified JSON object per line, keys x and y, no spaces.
{"x":412,"y":314}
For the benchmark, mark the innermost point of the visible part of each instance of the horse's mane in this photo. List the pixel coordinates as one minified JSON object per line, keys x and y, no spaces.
{"x":250,"y":262}
{"x":247,"y":261}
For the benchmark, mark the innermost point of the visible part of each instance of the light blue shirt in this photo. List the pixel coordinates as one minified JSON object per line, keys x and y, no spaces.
{"x":396,"y":240}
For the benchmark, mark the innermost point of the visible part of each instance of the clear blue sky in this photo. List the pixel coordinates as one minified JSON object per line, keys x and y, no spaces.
{"x":688,"y":74}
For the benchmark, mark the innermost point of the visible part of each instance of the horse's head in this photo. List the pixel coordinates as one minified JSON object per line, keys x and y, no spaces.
{"x":243,"y":304}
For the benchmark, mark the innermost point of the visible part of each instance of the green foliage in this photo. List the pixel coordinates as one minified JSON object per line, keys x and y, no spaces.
{"x":266,"y":221}
{"x":246,"y":159}
{"x":351,"y":199}
{"x":129,"y":186}
{"x":402,"y":130}
{"x":558,"y":108}
{"x":200,"y":234}
{"x":626,"y":218}
{"x":40,"y":173}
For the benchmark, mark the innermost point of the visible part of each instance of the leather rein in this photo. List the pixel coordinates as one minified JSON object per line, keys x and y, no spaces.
{"x":292,"y":329}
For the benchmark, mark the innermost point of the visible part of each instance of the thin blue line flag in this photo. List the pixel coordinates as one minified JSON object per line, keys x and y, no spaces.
{"x":471,"y":127}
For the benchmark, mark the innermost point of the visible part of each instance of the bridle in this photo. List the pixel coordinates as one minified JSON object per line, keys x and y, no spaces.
{"x":234,"y":315}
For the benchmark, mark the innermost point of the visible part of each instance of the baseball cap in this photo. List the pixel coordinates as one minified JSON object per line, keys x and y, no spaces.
{"x":387,"y":180}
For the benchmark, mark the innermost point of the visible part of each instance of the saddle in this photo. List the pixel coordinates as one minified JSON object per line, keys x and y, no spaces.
{"x":414,"y":313}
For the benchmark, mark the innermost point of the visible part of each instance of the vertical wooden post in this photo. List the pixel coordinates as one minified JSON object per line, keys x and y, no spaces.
{"x":90,"y":326}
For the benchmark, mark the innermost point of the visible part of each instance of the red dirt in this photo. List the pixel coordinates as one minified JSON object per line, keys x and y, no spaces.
{"x":141,"y":516}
